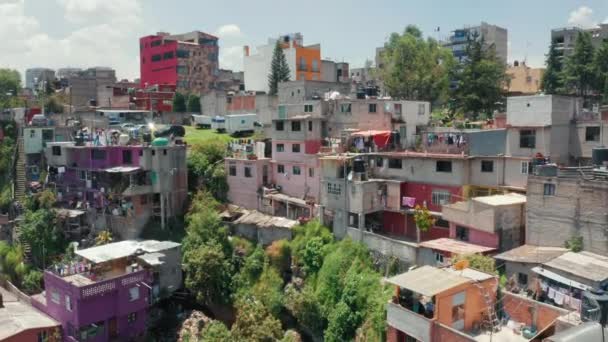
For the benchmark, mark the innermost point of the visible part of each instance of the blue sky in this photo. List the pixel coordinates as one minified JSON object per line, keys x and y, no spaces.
{"x":56,"y":33}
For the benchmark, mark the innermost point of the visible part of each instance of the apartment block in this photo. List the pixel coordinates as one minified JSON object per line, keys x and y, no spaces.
{"x":524,"y":80}
{"x":492,"y":35}
{"x":34,"y":77}
{"x":188,"y":61}
{"x":91,"y":87}
{"x":565,"y":37}
{"x":105,"y":292}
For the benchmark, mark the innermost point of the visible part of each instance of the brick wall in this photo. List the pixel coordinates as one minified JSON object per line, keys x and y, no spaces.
{"x":441,"y":333}
{"x":521,"y":310}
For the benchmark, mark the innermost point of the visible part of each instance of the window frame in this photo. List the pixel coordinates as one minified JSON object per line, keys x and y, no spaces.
{"x":486,"y":169}
{"x":549,"y":189}
{"x":280,"y":147}
{"x":595,"y":137}
{"x":279,"y":125}
{"x":372,"y":107}
{"x":439,"y":195}
{"x":296,"y":126}
{"x":443,"y":166}
{"x":280,"y":168}
{"x":527,"y":140}
{"x":462,"y":233}
{"x":247,"y":172}
{"x":232,"y":170}
{"x":295,"y":148}
{"x":393,"y":162}
{"x":296,"y":170}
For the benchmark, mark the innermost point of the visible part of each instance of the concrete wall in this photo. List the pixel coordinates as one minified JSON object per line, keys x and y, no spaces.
{"x":297,"y":91}
{"x":171,"y":271}
{"x":514,"y":268}
{"x":244,"y":191}
{"x":33,"y":141}
{"x":262,"y":235}
{"x":297,"y":185}
{"x":541,"y":110}
{"x":414,"y":325}
{"x":579,"y":146}
{"x":423,"y":170}
{"x":577,"y":209}
{"x":513,"y":172}
{"x":487,"y":143}
{"x":405,"y":251}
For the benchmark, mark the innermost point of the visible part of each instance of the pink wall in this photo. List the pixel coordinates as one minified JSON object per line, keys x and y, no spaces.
{"x":477,"y":237}
{"x":396,"y":224}
{"x":423,"y":192}
{"x":160,"y":72}
{"x":296,"y":185}
{"x":312,"y":146}
{"x":244,"y":191}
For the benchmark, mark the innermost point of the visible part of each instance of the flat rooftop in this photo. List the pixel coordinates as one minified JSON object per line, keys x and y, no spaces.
{"x":531,"y":254}
{"x":427,"y":280}
{"x":17,"y":316}
{"x":498,"y":200}
{"x":455,"y":246}
{"x":123,"y":249}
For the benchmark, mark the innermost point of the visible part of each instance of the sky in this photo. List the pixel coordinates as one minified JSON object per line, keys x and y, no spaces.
{"x":85,"y":33}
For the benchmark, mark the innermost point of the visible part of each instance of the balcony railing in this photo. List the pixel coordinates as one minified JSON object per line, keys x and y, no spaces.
{"x":412,"y":324}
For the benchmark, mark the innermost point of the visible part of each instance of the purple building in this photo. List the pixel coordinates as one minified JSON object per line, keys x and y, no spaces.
{"x":104,"y":294}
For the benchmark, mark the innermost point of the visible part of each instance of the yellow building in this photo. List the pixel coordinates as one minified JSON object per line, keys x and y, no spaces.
{"x":524,"y":80}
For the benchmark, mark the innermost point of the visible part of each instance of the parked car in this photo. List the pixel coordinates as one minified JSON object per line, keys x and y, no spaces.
{"x":39,"y":120}
{"x":175,"y":130}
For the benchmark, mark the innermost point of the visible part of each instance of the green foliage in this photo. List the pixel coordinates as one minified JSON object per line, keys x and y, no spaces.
{"x":415,"y":68}
{"x":255,"y":323}
{"x":6,"y":198}
{"x":32,"y":282}
{"x":308,"y":246}
{"x":206,"y":169}
{"x":251,"y":270}
{"x":52,"y":105}
{"x":478,"y":262}
{"x":423,"y":218}
{"x":209,"y":273}
{"x":269,"y":290}
{"x":600,"y":65}
{"x":215,"y":331}
{"x":279,"y":255}
{"x":46,"y":199}
{"x":104,"y":237}
{"x":575,"y":244}
{"x":552,"y":82}
{"x":194,"y":104}
{"x":39,"y":230}
{"x":579,"y":73}
{"x":291,"y":336}
{"x":179,"y":103}
{"x":305,"y":307}
{"x":10,"y":84}
{"x":279,"y":70}
{"x":481,"y":80}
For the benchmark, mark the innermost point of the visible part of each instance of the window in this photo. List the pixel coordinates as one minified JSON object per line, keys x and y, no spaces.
{"x":334,"y":189}
{"x":55,"y":297}
{"x":280,"y":148}
{"x":43,"y":336}
{"x":345,"y":108}
{"x":311,"y":172}
{"x":443,"y":166}
{"x":155,"y":43}
{"x":97,"y":154}
{"x":232,"y":170}
{"x":394,"y":163}
{"x":439,"y":257}
{"x":527,"y":138}
{"x":522,"y":278}
{"x":295,"y":126}
{"x":279,"y":125}
{"x":592,"y":133}
{"x":302,"y":64}
{"x":182,"y":70}
{"x":549,"y":189}
{"x":132,"y":317}
{"x":442,"y":223}
{"x":458,"y":301}
{"x":379,"y":162}
{"x":133,"y":294}
{"x":308,"y":108}
{"x":32,"y":133}
{"x":487,"y":166}
{"x":525,"y":167}
{"x":83,"y":175}
{"x":296,"y":170}
{"x":47,"y":134}
{"x":182,"y":54}
{"x":310,"y":126}
{"x":315,"y":65}
{"x":282,"y":112}
{"x":280,"y":168}
{"x":295,"y":148}
{"x":397,"y":108}
{"x":156,"y":58}
{"x":168,"y":55}
{"x":68,"y":303}
{"x":56,"y":150}
{"x":127,"y":157}
{"x":247,"y":172}
{"x":462,"y":233}
{"x":372,"y":108}
{"x":421,"y":109}
{"x":440,"y":197}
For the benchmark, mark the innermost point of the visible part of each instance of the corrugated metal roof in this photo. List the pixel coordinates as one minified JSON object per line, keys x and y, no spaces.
{"x":584,"y":264}
{"x":559,"y":278}
{"x":428,"y":280}
{"x":455,"y":246}
{"x":531,"y":254}
{"x":123,"y":249}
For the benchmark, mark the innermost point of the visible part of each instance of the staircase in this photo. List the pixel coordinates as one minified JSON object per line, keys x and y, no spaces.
{"x":19,"y":180}
{"x":491,"y":321}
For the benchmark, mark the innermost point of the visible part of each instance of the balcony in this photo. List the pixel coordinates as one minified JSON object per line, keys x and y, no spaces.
{"x":412,"y":324}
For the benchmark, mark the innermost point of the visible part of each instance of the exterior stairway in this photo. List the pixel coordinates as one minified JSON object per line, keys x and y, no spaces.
{"x":19,"y":180}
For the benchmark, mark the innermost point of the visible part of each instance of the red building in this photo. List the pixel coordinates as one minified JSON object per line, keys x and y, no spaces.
{"x":188,"y":61}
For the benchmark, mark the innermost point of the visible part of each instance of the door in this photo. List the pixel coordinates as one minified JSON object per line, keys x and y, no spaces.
{"x":265,"y":175}
{"x":113,"y":328}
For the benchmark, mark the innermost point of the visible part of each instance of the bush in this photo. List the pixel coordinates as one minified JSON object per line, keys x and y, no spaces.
{"x":279,"y":255}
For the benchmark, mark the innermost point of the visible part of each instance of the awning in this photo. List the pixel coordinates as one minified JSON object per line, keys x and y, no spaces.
{"x":381,"y":138}
{"x":560,"y":279}
{"x":122,"y":169}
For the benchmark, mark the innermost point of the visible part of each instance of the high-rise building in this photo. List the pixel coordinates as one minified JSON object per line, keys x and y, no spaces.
{"x":565,"y":37}
{"x":304,"y":61}
{"x":67,"y":72}
{"x":34,"y":76}
{"x":492,"y":35}
{"x":189,"y":61}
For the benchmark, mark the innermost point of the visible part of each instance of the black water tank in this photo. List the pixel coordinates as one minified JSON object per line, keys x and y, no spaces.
{"x":599,"y":155}
{"x":147,"y":137}
{"x":371,"y":91}
{"x":359,"y":165}
{"x":360,"y":94}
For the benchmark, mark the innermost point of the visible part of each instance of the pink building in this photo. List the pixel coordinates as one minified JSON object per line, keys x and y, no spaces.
{"x":246,"y":178}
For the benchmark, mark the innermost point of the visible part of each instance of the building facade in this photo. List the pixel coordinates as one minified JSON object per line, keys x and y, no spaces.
{"x":565,"y":37}
{"x":523,"y":79}
{"x":188,"y":61}
{"x":492,"y":35}
{"x":91,"y":87}
{"x":34,"y":77}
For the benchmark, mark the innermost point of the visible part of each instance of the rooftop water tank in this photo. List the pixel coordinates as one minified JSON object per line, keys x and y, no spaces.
{"x":359,"y":165}
{"x":160,"y":142}
{"x":123,"y":139}
{"x":599,"y":155}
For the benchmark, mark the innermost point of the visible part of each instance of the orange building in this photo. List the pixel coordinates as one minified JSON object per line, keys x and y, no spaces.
{"x":524,"y":80}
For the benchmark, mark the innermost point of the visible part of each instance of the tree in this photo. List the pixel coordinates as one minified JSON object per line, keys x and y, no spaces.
{"x":215,"y":331}
{"x":179,"y":103}
{"x":208,"y":274}
{"x":32,"y":282}
{"x":269,"y":290}
{"x":279,"y":70}
{"x":255,"y":323}
{"x":552,"y":82}
{"x":579,"y":73}
{"x":423,"y":219}
{"x":600,"y":65}
{"x":52,"y":105}
{"x":481,"y":80}
{"x":194,"y":104}
{"x":104,"y":237}
{"x":415,"y":68}
{"x":12,"y":264}
{"x":477,"y":261}
{"x":10,"y":84}
{"x":40,"y":232}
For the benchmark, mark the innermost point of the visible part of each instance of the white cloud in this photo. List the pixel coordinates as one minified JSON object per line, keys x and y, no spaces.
{"x":582,"y":17}
{"x":231,"y":43}
{"x":605,"y":21}
{"x":106,"y":34}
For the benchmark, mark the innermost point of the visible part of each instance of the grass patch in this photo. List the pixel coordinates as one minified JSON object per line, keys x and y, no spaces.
{"x":198,"y":136}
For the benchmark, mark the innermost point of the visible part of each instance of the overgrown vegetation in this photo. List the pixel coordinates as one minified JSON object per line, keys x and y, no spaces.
{"x":206,"y":169}
{"x":478,"y":262}
{"x":575,"y":244}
